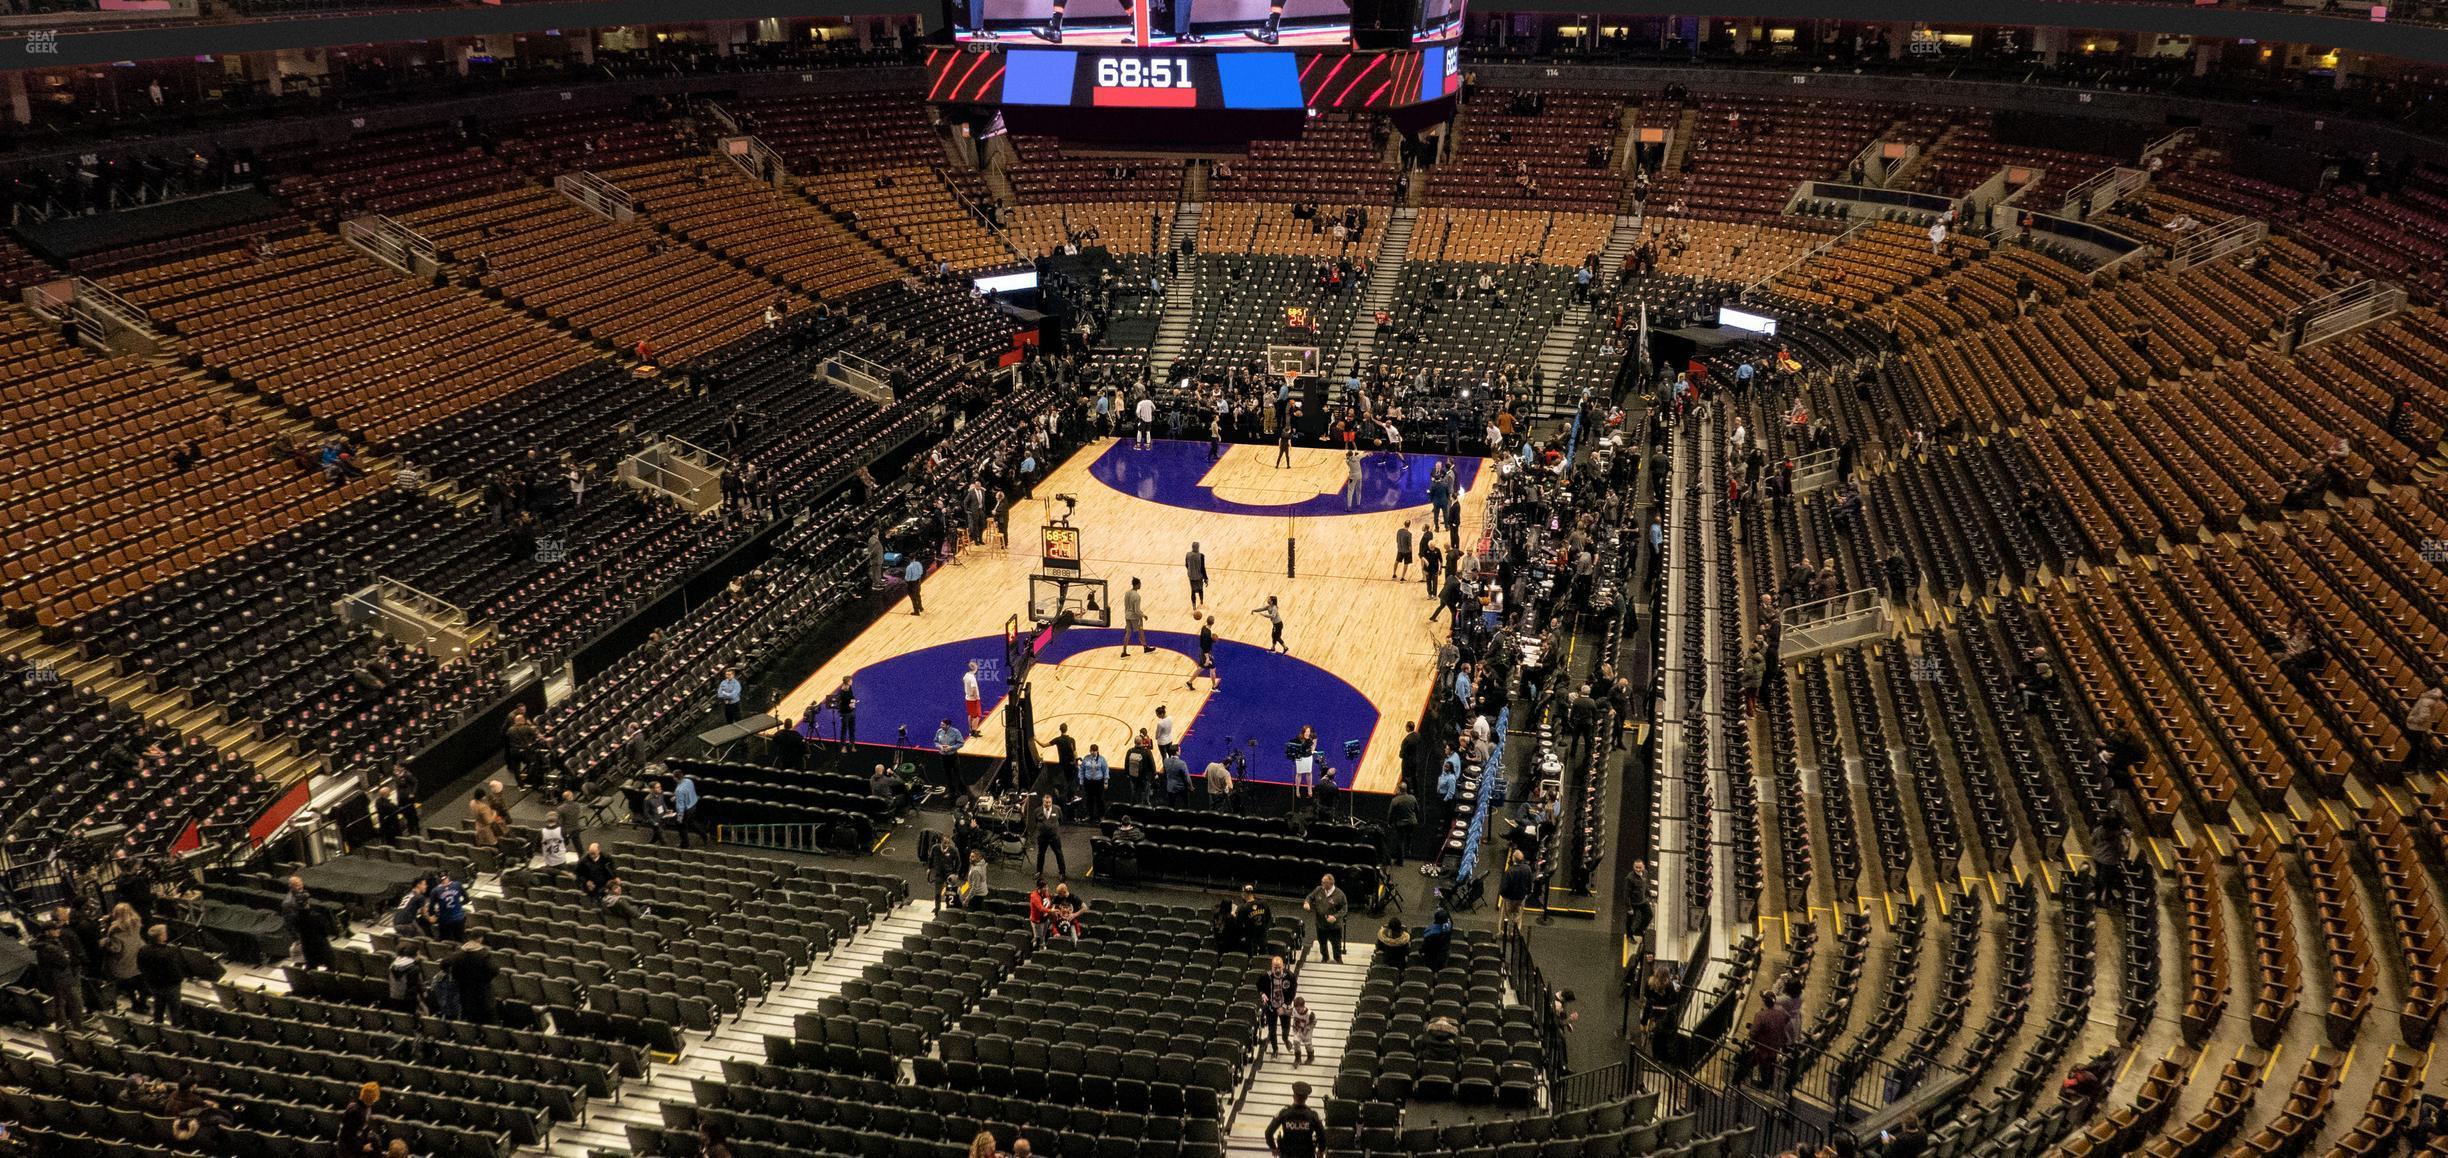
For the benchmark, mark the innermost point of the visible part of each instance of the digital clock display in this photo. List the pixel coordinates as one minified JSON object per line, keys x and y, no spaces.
{"x":1125,"y":78}
{"x":1144,"y":72}
{"x":1144,"y":82}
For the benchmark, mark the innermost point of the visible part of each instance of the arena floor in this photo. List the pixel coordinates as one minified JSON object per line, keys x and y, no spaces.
{"x":1362,"y":651}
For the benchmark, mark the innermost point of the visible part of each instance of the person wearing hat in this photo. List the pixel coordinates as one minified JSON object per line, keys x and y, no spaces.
{"x":1297,"y":1129}
{"x":357,"y":1133}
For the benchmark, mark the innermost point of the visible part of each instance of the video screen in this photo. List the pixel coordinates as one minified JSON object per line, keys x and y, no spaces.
{"x":1214,"y":24}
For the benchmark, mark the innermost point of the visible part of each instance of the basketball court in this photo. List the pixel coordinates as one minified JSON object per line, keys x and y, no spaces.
{"x":1362,"y":650}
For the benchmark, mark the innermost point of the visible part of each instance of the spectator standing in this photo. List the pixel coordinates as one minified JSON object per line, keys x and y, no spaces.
{"x":1327,"y":905}
{"x":1304,"y":1028}
{"x":1220,"y":786}
{"x":727,"y":694}
{"x":163,"y":972}
{"x":472,"y":971}
{"x":1276,"y":991}
{"x":975,"y":888}
{"x":122,"y":940}
{"x":1048,"y":815}
{"x":407,"y":977}
{"x":948,"y":740}
{"x":314,"y":929}
{"x":60,"y":963}
{"x":1402,"y":822}
{"x":913,"y":574}
{"x":1771,"y":1032}
{"x":448,"y":903}
{"x":552,"y":846}
{"x":1093,"y":774}
{"x":684,"y":807}
{"x":1514,"y":891}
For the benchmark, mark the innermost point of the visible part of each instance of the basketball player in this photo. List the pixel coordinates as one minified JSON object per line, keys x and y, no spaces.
{"x":1274,"y":615}
{"x":1206,"y":660}
{"x":1053,"y":29}
{"x":969,"y":695}
{"x":1402,"y":551}
{"x":1194,"y":565}
{"x":1351,"y":470}
{"x":1283,"y":445}
{"x":1134,"y":619}
{"x":1263,"y":35}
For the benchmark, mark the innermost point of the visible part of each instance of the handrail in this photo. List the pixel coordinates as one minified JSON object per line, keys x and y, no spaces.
{"x":2349,"y":309}
{"x":785,"y":836}
{"x":1796,"y":263}
{"x":730,"y":124}
{"x":2215,"y":241}
{"x":2175,"y":140}
{"x":2117,"y":178}
{"x":1607,"y":1083}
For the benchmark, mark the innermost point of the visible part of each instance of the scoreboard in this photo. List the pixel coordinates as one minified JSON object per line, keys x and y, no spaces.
{"x":1121,"y":78}
{"x":1198,"y":54}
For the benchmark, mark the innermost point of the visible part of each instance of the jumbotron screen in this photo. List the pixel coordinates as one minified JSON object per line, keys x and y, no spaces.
{"x":1198,"y":54}
{"x":1209,"y":25}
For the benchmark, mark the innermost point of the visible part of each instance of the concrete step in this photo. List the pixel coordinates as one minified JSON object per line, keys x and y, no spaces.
{"x":1332,"y":991}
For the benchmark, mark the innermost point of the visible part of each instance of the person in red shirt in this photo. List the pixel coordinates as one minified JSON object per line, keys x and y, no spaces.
{"x":1039,"y":912}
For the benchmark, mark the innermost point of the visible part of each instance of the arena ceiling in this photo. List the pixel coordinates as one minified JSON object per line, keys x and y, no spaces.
{"x":68,"y":44}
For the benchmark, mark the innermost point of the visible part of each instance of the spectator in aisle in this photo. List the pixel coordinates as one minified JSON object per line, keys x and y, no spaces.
{"x":948,"y":740}
{"x":552,"y":846}
{"x":472,"y":972}
{"x":122,"y":938}
{"x":974,"y":890}
{"x":684,"y":807}
{"x":1402,"y":822}
{"x":406,"y":977}
{"x":1513,"y":891}
{"x":1048,"y":824}
{"x":484,"y":825}
{"x":448,"y":903}
{"x":163,"y":972}
{"x":1276,"y":991}
{"x":1771,"y":1031}
{"x":1326,"y":906}
{"x":59,"y":961}
{"x":309,"y":928}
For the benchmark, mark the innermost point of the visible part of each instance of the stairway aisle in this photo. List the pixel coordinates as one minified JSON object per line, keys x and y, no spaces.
{"x":740,"y":1039}
{"x":1679,"y":142}
{"x":1385,"y":279}
{"x":1333,"y":992}
{"x":1181,"y":288}
{"x":1555,"y":356}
